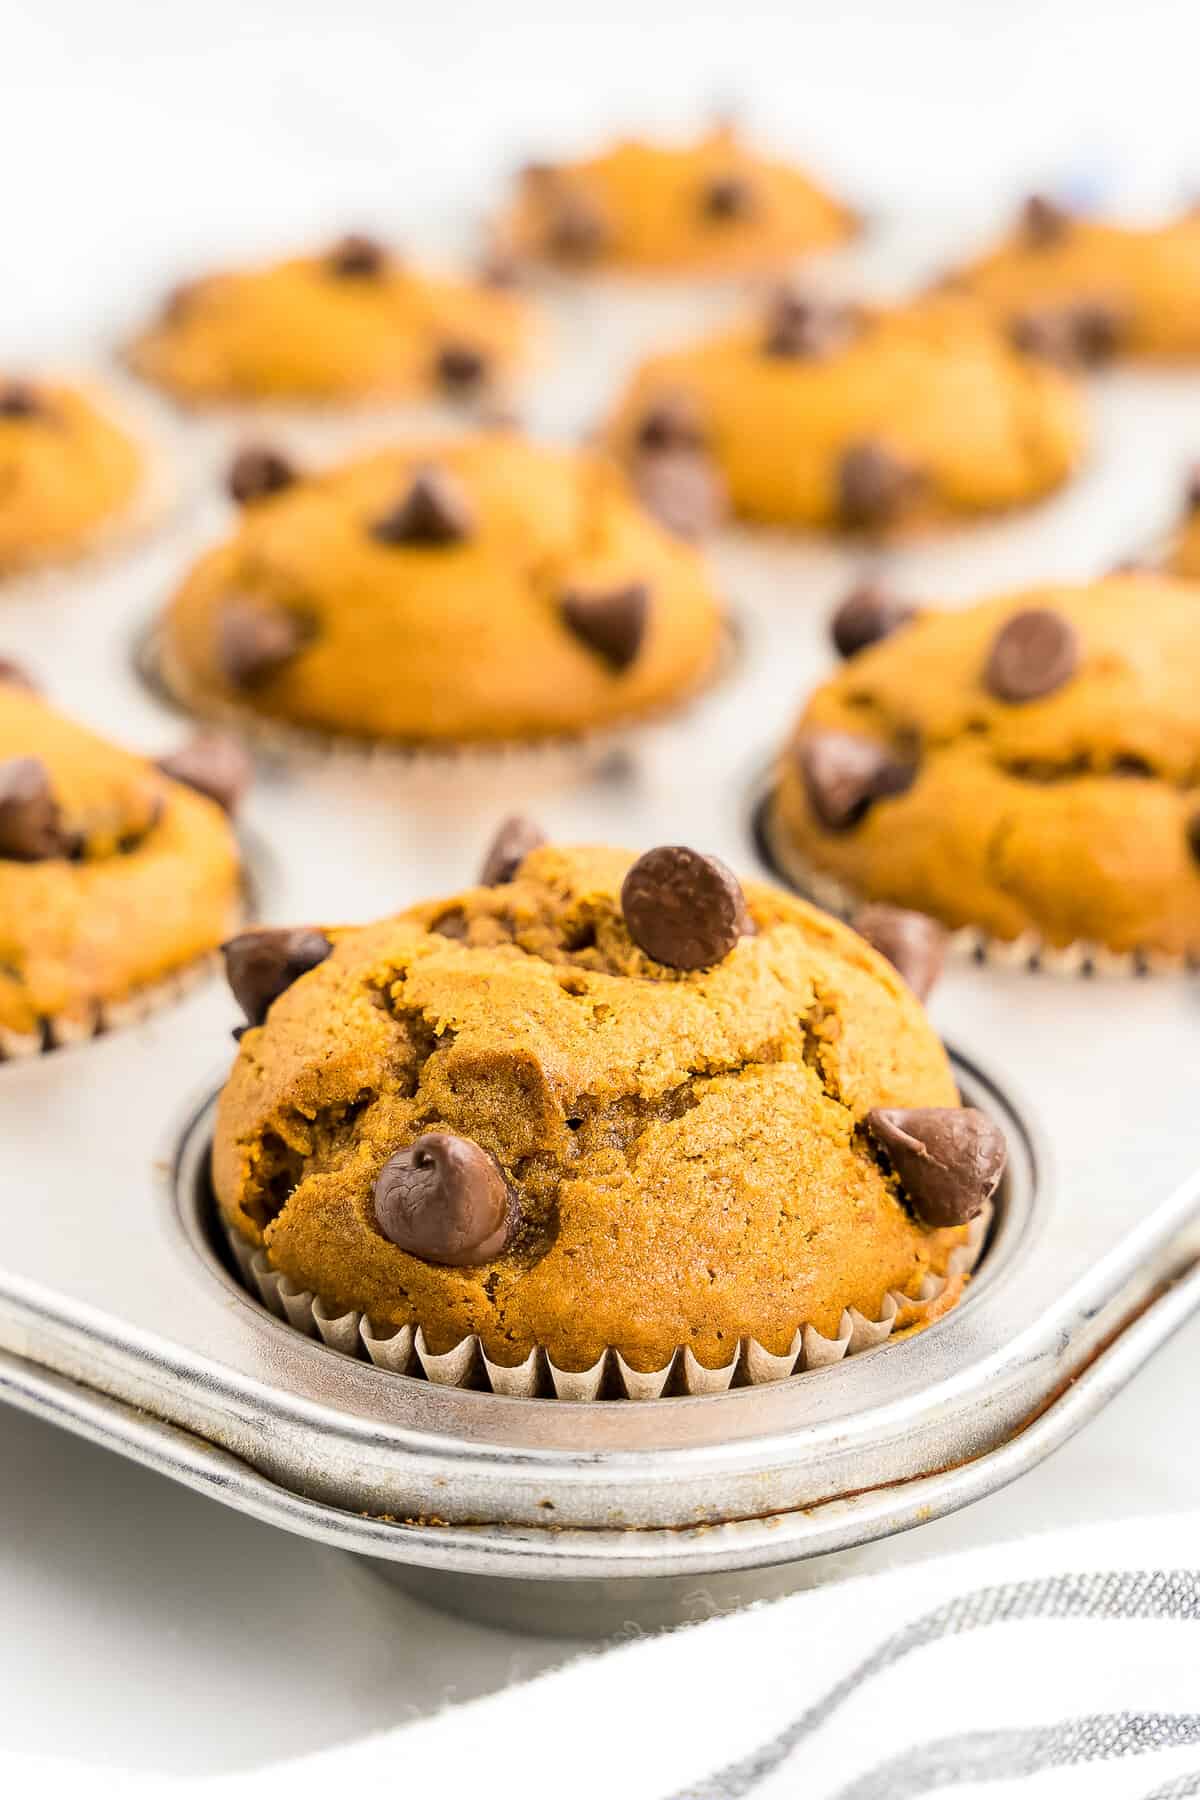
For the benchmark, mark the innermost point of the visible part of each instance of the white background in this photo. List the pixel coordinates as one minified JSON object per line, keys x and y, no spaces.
{"x":143,"y":1624}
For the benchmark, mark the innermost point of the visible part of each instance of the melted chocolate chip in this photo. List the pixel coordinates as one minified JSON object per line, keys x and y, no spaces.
{"x":212,"y":764}
{"x":844,"y":775}
{"x":867,"y":615}
{"x":683,"y":909}
{"x":1191,"y":493}
{"x":356,"y":256}
{"x":444,"y":1199}
{"x":1044,"y":222}
{"x":255,"y":641}
{"x":15,"y":676}
{"x":1035,"y":653}
{"x":1084,"y":335}
{"x":19,"y":400}
{"x":874,"y":486}
{"x":672,"y":423}
{"x":513,"y":842}
{"x":914,"y":943}
{"x":434,"y":511}
{"x":1193,"y":836}
{"x":575,"y":230}
{"x":727,"y":197}
{"x":259,"y":471}
{"x":800,"y":326}
{"x":460,"y":367}
{"x":260,"y":965}
{"x":683,"y":489}
{"x":949,"y":1159}
{"x":612,"y":623}
{"x":31,"y":827}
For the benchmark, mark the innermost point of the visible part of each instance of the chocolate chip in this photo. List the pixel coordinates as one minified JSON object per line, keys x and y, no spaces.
{"x":727,"y":197}
{"x":800,"y":326}
{"x":1084,"y":335}
{"x":256,"y":640}
{"x":260,"y":965}
{"x":1191,"y":493}
{"x":672,"y":423}
{"x":31,"y":827}
{"x":19,"y":400}
{"x":513,"y":842}
{"x":683,"y":909}
{"x":912,"y":941}
{"x":213,"y":764}
{"x":1033,"y":655}
{"x":612,"y":622}
{"x":683,"y":489}
{"x":434,"y":511}
{"x":576,"y":230}
{"x":461,"y":367}
{"x":949,"y":1159}
{"x":1193,"y":836}
{"x":844,"y":775}
{"x":15,"y":676}
{"x":1044,"y":222}
{"x":874,"y":486}
{"x":444,"y":1199}
{"x":867,"y":615}
{"x":356,"y":255}
{"x":259,"y":471}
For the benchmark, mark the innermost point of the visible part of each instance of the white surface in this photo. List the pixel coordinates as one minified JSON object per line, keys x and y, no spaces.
{"x":142,"y":1624}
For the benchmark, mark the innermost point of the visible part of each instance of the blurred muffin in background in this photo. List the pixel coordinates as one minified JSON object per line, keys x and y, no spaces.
{"x":68,"y":472}
{"x":1030,"y":765}
{"x":476,"y":590}
{"x":1086,"y":290}
{"x":857,"y":418}
{"x":353,"y":324}
{"x":714,"y":206}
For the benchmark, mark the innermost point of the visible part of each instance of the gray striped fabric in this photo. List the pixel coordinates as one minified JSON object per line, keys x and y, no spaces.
{"x":1134,"y":1594}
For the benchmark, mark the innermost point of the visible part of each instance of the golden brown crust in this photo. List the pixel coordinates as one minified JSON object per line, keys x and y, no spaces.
{"x":451,"y":643}
{"x":654,"y":209}
{"x":688,"y":1150}
{"x":67,"y":472}
{"x":935,"y":384}
{"x":151,"y":886}
{"x":296,"y":331}
{"x":1068,"y":815}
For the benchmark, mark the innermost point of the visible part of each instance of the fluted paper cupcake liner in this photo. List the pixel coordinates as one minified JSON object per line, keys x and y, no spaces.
{"x":970,"y":943}
{"x":287,"y":742}
{"x":168,"y":479}
{"x":467,"y":1364}
{"x":101,"y":1016}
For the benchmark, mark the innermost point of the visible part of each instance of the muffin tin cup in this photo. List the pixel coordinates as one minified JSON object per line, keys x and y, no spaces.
{"x":60,"y":1032}
{"x":467,"y":1365}
{"x":171,"y":477}
{"x":970,"y":943}
{"x":536,"y":758}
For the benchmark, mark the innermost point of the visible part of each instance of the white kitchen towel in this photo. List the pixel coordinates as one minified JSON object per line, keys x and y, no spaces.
{"x":1060,"y":1665}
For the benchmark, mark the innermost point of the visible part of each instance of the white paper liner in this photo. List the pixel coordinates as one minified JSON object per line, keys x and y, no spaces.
{"x":277,"y":739}
{"x":169,"y":477}
{"x":467,"y":1364}
{"x":101,"y":1016}
{"x":970,"y":943}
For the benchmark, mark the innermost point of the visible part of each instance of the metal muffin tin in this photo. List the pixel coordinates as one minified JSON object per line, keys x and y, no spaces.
{"x":118,"y":1318}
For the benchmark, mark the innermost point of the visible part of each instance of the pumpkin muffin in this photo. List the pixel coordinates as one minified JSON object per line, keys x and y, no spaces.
{"x":714,"y":206}
{"x":114,"y":876}
{"x":858,"y":418}
{"x":67,"y":472}
{"x":353,"y":324}
{"x":596,"y":1102}
{"x":1088,"y":289}
{"x":1030,"y":765}
{"x":479,"y":590}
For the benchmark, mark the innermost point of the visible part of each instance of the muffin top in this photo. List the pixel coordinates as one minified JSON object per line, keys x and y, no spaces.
{"x":712,"y":206}
{"x":1087,"y":289}
{"x":112,"y":874}
{"x":593,"y":1102}
{"x":479,"y":589}
{"x":1029,"y":764}
{"x":856,"y":418}
{"x":66,"y":471}
{"x":355,"y":323}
